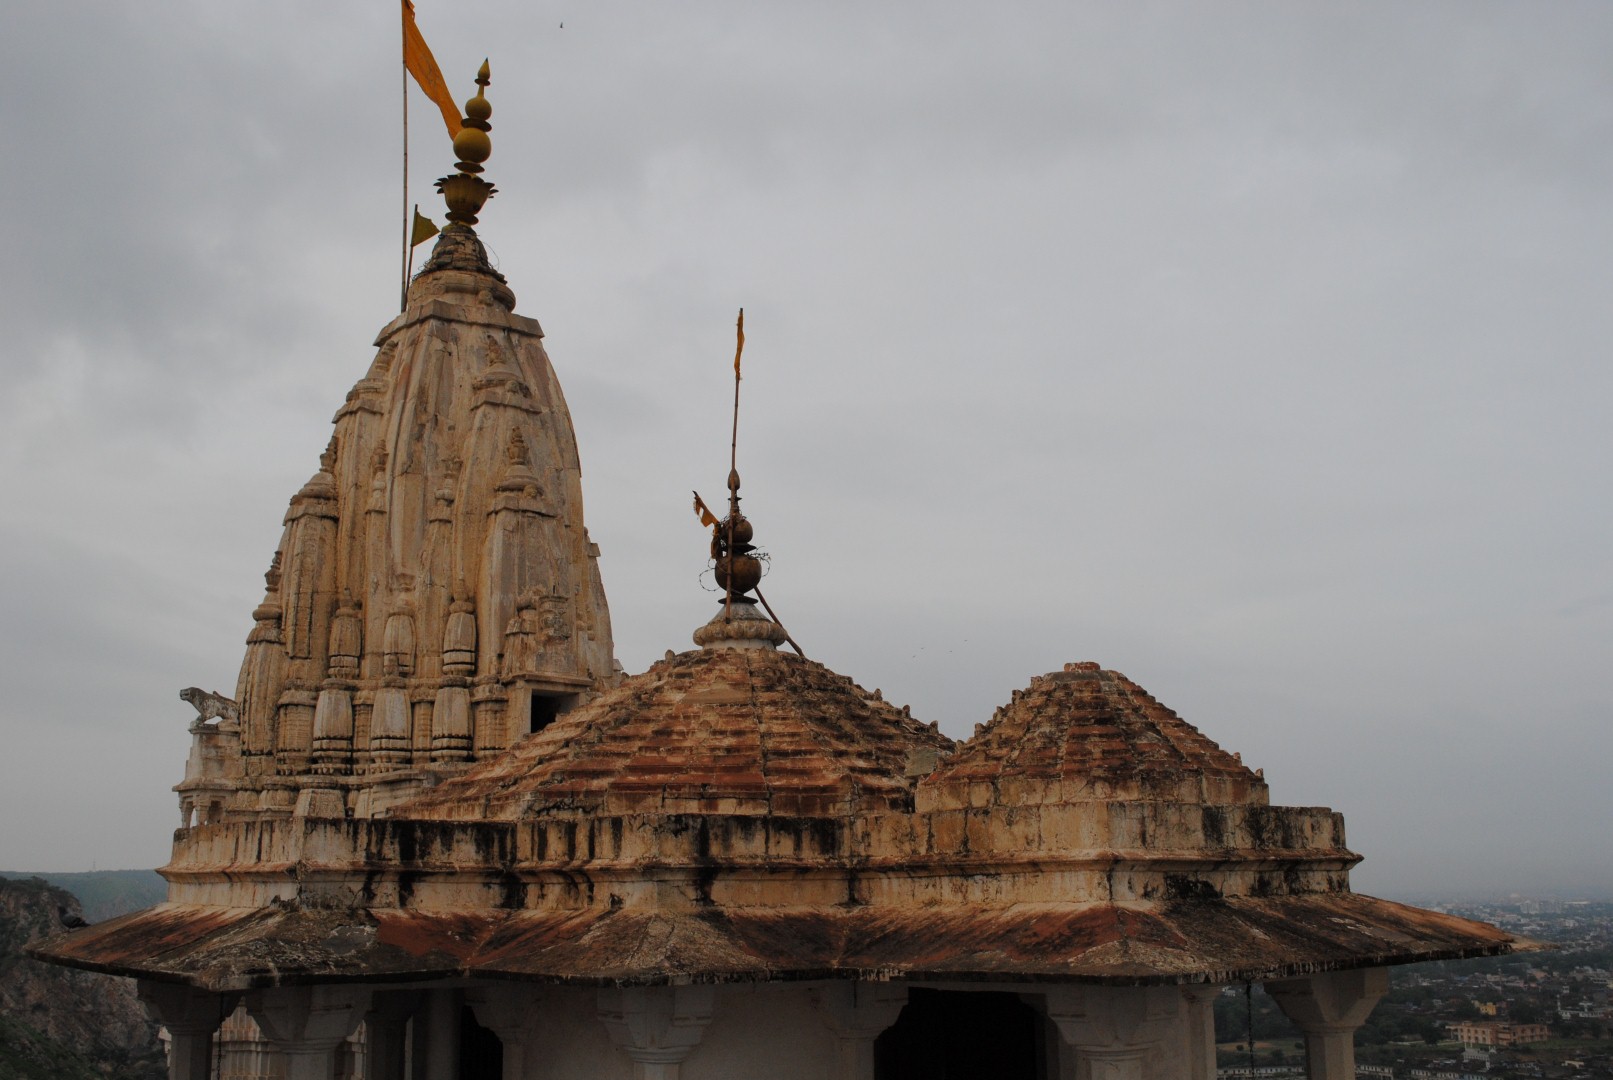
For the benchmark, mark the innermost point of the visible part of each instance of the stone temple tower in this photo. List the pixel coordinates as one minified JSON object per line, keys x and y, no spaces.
{"x":434,"y":595}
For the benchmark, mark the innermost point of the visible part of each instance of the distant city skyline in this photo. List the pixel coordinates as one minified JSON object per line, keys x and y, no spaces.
{"x":1256,"y":353}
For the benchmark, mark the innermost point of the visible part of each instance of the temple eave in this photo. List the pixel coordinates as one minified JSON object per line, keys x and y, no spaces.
{"x":1163,"y":943}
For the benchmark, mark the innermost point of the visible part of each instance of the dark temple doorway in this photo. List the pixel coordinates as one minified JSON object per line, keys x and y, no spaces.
{"x":481,"y":1054}
{"x":962,"y":1035}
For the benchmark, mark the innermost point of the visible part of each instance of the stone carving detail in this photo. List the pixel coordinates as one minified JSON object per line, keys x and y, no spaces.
{"x":346,"y":641}
{"x":389,"y":729}
{"x":450,"y":491}
{"x":517,"y":453}
{"x":211,"y":705}
{"x":333,"y":731}
{"x":500,"y":383}
{"x":556,"y":620}
{"x":518,"y":475}
{"x":450,"y":725}
{"x":459,"y":639}
{"x":539,"y":637}
{"x":397,"y":647}
{"x":521,"y":639}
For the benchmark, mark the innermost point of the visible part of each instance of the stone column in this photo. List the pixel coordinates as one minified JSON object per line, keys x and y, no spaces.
{"x":438,"y":1058}
{"x":656,"y":1026}
{"x":509,"y":1013}
{"x":1199,"y":1002}
{"x":307,"y":1024}
{"x":857,"y":1012}
{"x":191,"y":1017}
{"x":1328,"y":1008}
{"x":1114,"y":1030}
{"x":385,"y":1026}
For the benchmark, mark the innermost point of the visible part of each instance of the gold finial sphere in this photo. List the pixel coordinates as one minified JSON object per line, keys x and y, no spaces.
{"x":478,"y":107}
{"x":465,"y":192}
{"x":472,"y":145}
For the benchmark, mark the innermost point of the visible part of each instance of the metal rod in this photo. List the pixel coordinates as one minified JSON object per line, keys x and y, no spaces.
{"x":769,"y":609}
{"x":408,"y":271}
{"x":733,"y":487}
{"x":408,"y":250}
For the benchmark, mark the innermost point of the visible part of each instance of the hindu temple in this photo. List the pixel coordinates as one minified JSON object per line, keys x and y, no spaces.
{"x":439,"y":834}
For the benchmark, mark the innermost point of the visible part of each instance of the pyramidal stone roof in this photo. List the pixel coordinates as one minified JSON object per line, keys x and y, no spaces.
{"x":716,"y":730}
{"x":1084,"y":734}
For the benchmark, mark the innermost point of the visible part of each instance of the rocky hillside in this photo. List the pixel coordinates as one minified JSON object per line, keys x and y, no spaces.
{"x":56,"y":1022}
{"x":106,"y":894}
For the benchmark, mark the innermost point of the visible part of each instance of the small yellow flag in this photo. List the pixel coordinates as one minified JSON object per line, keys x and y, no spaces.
{"x":741,"y":346}
{"x":706,"y":516}
{"x":422,"y":65}
{"x":424,"y":228}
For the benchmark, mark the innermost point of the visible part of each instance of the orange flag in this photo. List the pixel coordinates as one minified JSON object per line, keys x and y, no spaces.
{"x":741,"y":347}
{"x":422,"y":65}
{"x":706,"y":516}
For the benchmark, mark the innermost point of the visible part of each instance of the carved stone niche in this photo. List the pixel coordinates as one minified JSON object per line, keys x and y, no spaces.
{"x":522,"y":638}
{"x":558,"y":628}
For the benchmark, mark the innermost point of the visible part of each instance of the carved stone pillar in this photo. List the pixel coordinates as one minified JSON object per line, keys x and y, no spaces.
{"x":656,"y":1026}
{"x":508,"y":1012}
{"x":191,"y":1017}
{"x":857,"y":1012}
{"x":1114,"y":1030}
{"x":307,"y":1024}
{"x":1328,"y":1008}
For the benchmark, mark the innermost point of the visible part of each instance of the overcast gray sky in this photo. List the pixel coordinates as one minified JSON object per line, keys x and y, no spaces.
{"x":1258,"y":351}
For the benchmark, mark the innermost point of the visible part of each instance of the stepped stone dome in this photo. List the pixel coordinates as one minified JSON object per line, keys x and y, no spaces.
{"x":1085,"y":734}
{"x":712,"y":731}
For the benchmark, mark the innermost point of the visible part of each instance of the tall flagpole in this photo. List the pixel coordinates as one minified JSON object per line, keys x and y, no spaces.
{"x":403,"y":291}
{"x":733,"y":475}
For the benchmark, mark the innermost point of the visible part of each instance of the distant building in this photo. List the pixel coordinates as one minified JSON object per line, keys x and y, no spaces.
{"x":1497,"y":1033}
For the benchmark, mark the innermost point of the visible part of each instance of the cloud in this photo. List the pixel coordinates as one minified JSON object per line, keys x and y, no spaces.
{"x":1254,"y":352}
